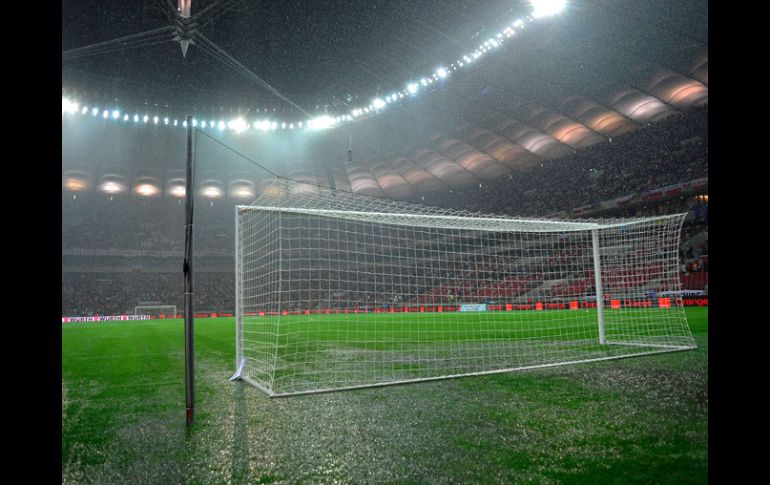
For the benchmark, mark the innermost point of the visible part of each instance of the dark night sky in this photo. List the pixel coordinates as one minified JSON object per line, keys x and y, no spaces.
{"x":310,"y":51}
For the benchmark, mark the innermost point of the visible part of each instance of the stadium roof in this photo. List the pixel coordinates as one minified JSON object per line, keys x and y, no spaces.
{"x":600,"y":68}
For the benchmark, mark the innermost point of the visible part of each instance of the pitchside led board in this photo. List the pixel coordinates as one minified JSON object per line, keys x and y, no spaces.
{"x":338,"y":291}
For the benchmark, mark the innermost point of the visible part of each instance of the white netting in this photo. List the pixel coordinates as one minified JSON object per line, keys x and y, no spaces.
{"x":156,"y":311}
{"x":336,"y":290}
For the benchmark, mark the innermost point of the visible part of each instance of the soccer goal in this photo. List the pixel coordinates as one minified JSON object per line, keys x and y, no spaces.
{"x":339,"y":291}
{"x":156,"y":311}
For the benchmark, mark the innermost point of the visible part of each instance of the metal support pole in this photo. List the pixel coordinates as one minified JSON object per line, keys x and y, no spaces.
{"x":189,"y":337}
{"x":598,"y":282}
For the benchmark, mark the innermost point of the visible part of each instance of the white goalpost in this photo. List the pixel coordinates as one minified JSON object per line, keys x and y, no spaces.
{"x":156,"y":311}
{"x":339,"y":291}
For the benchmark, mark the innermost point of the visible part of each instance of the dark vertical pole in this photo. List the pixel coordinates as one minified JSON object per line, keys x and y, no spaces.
{"x":189,"y":338}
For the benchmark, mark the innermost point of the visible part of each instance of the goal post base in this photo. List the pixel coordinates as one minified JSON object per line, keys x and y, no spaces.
{"x":238,"y":372}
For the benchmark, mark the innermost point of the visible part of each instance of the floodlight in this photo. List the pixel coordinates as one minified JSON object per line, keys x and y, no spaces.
{"x":211,"y":192}
{"x":378,"y":103}
{"x":237,"y":125}
{"x":177,"y":191}
{"x":146,"y":190}
{"x":320,"y":123}
{"x":546,"y":8}
{"x":412,"y":88}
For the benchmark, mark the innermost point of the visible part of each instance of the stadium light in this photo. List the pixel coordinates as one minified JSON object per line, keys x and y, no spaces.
{"x":238,"y":125}
{"x":112,"y":187}
{"x":546,"y":8}
{"x":211,"y":192}
{"x":321,"y":123}
{"x":177,"y":191}
{"x":146,"y":190}
{"x":540,"y":9}
{"x":68,"y":106}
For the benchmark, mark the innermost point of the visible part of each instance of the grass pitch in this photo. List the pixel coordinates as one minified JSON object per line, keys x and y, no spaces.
{"x":641,"y":420}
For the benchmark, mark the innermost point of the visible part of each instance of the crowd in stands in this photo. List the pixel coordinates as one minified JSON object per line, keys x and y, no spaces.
{"x":671,"y":151}
{"x":654,"y":156}
{"x":111,"y":293}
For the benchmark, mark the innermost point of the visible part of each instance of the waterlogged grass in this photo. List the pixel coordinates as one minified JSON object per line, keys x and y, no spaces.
{"x":639,"y":420}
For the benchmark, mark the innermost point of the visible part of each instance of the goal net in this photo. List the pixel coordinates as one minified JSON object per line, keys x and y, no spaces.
{"x":156,"y":311}
{"x":338,"y":291}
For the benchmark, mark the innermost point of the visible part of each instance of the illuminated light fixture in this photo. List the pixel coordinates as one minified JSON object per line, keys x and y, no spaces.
{"x":242,"y":189}
{"x":76,"y":181}
{"x":112,"y":187}
{"x":177,"y":191}
{"x":211,"y":192}
{"x":356,"y":112}
{"x":238,"y":125}
{"x":274,"y":125}
{"x":243,"y":193}
{"x":176,"y":122}
{"x":105,"y":114}
{"x":147,"y":190}
{"x":184,"y":123}
{"x":194,"y":122}
{"x":165,"y":121}
{"x":95,"y":111}
{"x":299,"y":124}
{"x":321,"y":123}
{"x":412,"y":88}
{"x":441,"y":72}
{"x":517,"y":24}
{"x":125,"y":117}
{"x":283,"y":126}
{"x":546,"y":8}
{"x":221,"y":125}
{"x":146,"y":118}
{"x":68,"y":106}
{"x":291,"y":126}
{"x":85,"y":110}
{"x":203,"y":124}
{"x":155,"y":119}
{"x":378,"y":103}
{"x":136,"y":118}
{"x":115,"y":114}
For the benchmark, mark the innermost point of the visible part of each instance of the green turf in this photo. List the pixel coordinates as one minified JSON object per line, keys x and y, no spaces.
{"x":640,"y":420}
